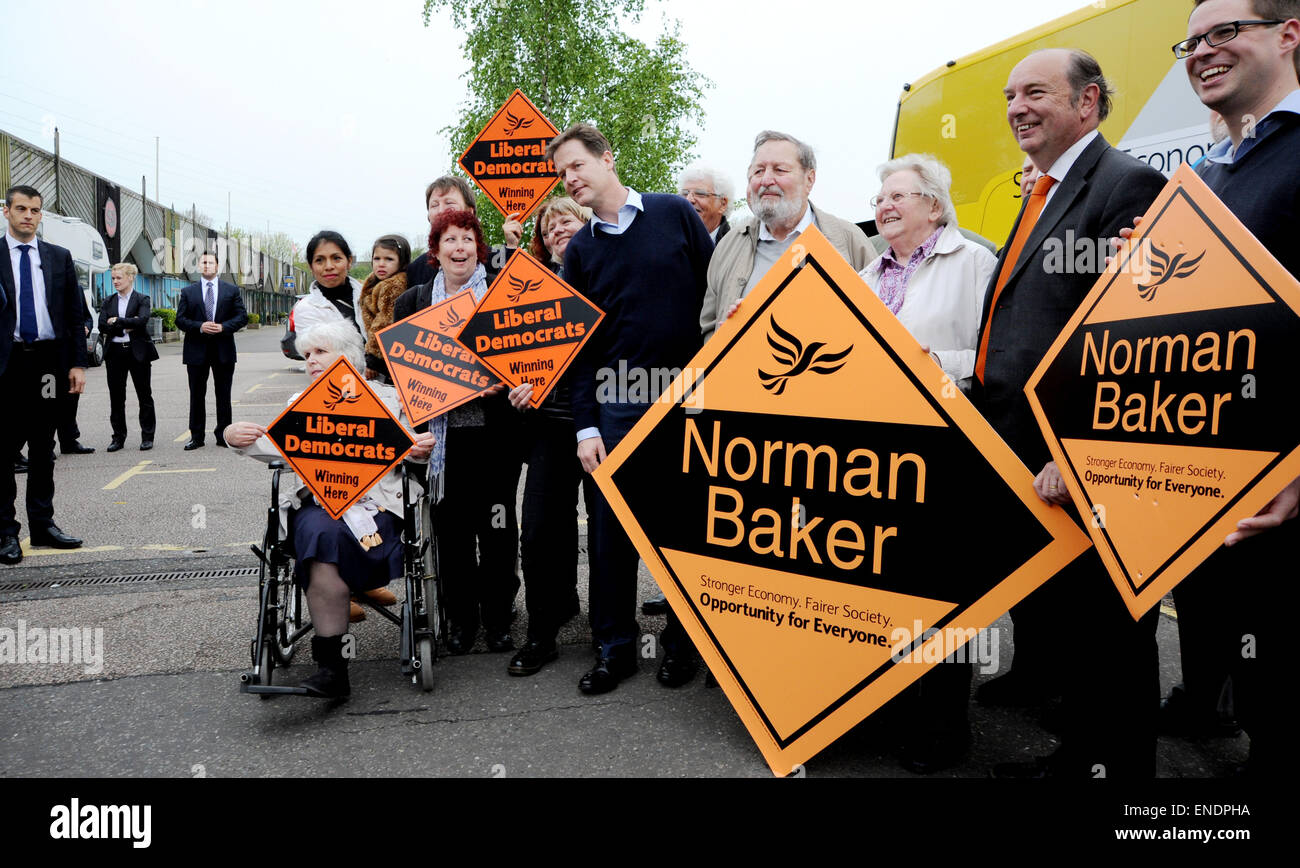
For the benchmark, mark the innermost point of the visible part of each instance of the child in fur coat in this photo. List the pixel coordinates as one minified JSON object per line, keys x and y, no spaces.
{"x":388,"y":258}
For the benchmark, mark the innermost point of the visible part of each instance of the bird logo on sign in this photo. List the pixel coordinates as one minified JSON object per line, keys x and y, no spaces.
{"x":1165,"y":269}
{"x":453,"y":319}
{"x":338,"y":397}
{"x":522,"y":287}
{"x":789,"y":351}
{"x":516,"y":123}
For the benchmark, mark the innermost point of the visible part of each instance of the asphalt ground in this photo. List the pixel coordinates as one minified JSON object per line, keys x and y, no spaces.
{"x":166,"y":702}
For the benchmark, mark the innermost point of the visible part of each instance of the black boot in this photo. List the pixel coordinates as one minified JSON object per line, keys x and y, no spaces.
{"x":331,"y":680}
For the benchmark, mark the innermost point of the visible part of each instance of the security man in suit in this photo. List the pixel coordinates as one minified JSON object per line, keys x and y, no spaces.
{"x":124,"y":320}
{"x":1074,"y":635}
{"x":210,"y":312}
{"x":42,"y":339}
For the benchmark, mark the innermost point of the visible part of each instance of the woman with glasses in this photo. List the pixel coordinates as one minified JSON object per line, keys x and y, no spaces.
{"x":932,"y":277}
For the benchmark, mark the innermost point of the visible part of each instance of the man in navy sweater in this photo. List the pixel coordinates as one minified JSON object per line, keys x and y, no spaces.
{"x":1240,"y":57}
{"x":643,"y":259}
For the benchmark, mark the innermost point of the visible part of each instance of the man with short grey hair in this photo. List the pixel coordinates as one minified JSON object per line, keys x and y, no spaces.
{"x":781,"y":175}
{"x":710,"y":194}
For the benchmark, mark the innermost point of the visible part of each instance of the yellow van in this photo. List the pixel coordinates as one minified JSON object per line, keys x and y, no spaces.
{"x":958,"y":113}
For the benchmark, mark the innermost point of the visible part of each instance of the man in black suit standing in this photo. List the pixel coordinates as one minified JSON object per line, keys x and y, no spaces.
{"x":1074,"y":635}
{"x":42,"y":340}
{"x":124,"y":320}
{"x":210,"y":312}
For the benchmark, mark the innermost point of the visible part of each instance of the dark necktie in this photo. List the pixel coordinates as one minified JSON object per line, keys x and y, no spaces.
{"x":211,"y":303}
{"x":26,"y":296}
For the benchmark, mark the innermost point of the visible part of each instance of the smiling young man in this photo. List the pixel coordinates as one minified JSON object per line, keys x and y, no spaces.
{"x":1241,"y":60}
{"x":642,"y":259}
{"x":1055,"y":101}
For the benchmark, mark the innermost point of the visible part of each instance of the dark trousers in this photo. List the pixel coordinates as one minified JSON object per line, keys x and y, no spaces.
{"x":1230,"y":614}
{"x":548,"y":540}
{"x":222,"y":375}
{"x":68,"y":431}
{"x":29,"y":385}
{"x":478,"y":533}
{"x":612,"y":597}
{"x":120,"y":361}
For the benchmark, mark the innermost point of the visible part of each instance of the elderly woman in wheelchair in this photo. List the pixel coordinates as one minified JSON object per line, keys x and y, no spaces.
{"x":336,"y":558}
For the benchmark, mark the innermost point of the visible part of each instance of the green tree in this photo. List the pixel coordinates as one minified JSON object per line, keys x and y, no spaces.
{"x":575,"y":61}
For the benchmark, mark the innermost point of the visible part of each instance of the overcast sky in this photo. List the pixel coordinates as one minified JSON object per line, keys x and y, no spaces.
{"x":327,"y":113}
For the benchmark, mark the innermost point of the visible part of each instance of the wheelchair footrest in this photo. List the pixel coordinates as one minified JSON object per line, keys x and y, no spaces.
{"x":273,"y":689}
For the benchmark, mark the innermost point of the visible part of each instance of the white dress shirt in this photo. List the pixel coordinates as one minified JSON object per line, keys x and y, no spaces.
{"x":44,"y":325}
{"x":1061,"y":167}
{"x":122,"y":300}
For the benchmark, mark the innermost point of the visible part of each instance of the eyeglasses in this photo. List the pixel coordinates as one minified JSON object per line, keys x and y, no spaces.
{"x":698,"y":194}
{"x":1219,"y":35}
{"x":892,"y":199}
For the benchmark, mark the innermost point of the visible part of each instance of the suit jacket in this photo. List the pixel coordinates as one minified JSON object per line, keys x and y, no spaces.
{"x":723,"y":228}
{"x":417,"y":298}
{"x":1102,"y":193}
{"x":63,"y":298}
{"x":202,"y":349}
{"x":135,"y":324}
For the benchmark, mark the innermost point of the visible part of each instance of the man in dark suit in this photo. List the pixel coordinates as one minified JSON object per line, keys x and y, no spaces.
{"x":124,"y":320}
{"x":210,"y":312}
{"x":1073,"y":636}
{"x":42,"y":339}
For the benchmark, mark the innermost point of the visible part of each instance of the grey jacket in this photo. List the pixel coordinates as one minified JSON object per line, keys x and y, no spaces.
{"x":733,"y":261}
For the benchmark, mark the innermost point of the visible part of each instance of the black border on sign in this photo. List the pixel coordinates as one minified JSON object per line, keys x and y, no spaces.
{"x":1137,"y":587}
{"x":784,"y":742}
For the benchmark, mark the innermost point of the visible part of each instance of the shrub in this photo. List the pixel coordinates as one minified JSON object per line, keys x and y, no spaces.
{"x":254,"y":318}
{"x":168,"y":316}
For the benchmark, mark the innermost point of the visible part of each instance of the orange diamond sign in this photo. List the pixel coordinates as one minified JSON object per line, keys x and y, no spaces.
{"x":842,"y":518}
{"x":432,"y":370}
{"x":529,"y":326}
{"x":508,"y":158}
{"x":1162,"y":397}
{"x":339,"y":437}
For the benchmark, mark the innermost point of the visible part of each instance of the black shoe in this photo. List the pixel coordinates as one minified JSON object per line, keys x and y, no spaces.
{"x":193,"y":444}
{"x":146,"y":445}
{"x":11,"y":551}
{"x":54,"y":538}
{"x":710,"y":680}
{"x":114,"y":446}
{"x":331,"y":680}
{"x":1011,"y":691}
{"x":221,"y":441}
{"x":532,"y":657}
{"x":1178,"y":716}
{"x":75,"y":448}
{"x":459,"y":642}
{"x":655,"y":606}
{"x":677,"y":669}
{"x":606,"y":674}
{"x":498,"y":642}
{"x":934,"y":752}
{"x":20,"y":465}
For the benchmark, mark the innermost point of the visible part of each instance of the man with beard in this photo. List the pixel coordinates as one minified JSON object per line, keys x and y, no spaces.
{"x":781,"y":174}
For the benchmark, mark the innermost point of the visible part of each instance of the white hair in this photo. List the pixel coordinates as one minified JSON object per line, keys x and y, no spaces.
{"x":720,"y":183}
{"x":339,"y":335}
{"x":935,"y":180}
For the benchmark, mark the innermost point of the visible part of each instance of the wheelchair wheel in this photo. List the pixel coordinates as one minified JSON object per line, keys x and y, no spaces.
{"x":265,"y":662}
{"x":289,"y":615}
{"x":424,"y":654}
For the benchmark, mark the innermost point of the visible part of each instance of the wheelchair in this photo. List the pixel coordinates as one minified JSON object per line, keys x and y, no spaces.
{"x":281,"y":614}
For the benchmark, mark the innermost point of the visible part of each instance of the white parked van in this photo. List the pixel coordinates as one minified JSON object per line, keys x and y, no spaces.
{"x":90,"y":257}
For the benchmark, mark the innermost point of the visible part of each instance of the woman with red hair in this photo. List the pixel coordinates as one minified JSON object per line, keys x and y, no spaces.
{"x":475,"y":523}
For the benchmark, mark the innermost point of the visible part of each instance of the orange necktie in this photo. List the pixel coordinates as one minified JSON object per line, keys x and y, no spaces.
{"x":1037,"y":199}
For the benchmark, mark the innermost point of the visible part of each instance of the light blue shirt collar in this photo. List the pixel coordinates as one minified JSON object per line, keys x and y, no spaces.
{"x":1223,"y":152}
{"x":626,"y":214}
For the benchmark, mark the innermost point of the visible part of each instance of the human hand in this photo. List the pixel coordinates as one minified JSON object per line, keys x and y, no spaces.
{"x":495,"y":390}
{"x":520,"y":396}
{"x":1050,"y":486}
{"x":1117,"y":242}
{"x":210,"y":328}
{"x":76,"y":381}
{"x":591,"y":452}
{"x":926,"y":349}
{"x":242,"y":434}
{"x":731,"y":311}
{"x":513,"y":230}
{"x":424,"y":444}
{"x":1282,"y":508}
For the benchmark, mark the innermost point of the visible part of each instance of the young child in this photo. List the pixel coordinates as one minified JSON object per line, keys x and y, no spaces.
{"x":388,"y":258}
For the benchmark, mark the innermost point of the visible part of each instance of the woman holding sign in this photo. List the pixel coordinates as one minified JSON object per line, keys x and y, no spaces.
{"x":548,"y":540}
{"x":475,"y":523}
{"x":336,"y":557}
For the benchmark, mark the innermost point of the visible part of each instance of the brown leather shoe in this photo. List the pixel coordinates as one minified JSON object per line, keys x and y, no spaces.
{"x":381,"y":596}
{"x":355,"y":612}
